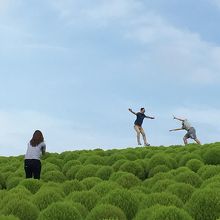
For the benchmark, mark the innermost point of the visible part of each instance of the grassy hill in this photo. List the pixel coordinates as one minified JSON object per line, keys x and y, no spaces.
{"x":155,"y":183}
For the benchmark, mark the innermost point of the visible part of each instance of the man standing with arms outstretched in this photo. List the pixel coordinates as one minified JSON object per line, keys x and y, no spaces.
{"x":191,"y":131}
{"x":138,"y":125}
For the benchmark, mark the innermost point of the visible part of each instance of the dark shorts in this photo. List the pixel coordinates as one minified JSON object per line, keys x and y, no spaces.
{"x":191,"y":133}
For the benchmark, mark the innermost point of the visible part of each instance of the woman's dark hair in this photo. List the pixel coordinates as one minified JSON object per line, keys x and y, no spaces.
{"x":37,"y":138}
{"x":142,"y":109}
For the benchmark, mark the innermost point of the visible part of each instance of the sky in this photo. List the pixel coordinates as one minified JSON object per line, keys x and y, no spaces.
{"x":73,"y":68}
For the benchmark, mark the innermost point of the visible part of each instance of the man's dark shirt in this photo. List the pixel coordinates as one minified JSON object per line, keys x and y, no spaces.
{"x":140,"y":119}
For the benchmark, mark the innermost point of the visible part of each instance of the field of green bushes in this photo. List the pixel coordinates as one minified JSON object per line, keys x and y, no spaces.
{"x":148,"y":183}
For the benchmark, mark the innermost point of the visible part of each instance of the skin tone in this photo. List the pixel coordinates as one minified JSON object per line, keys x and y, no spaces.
{"x":179,"y":129}
{"x":141,"y":111}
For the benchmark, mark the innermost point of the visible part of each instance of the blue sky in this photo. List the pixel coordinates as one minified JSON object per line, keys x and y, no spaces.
{"x":73,"y":68}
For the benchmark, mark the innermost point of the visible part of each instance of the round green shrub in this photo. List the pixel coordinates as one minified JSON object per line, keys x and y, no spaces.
{"x":2,"y":182}
{"x":189,"y":156}
{"x":60,"y":211}
{"x":115,"y":157}
{"x":106,"y":211}
{"x":87,"y":171}
{"x":194,"y":164}
{"x":128,"y":180}
{"x":179,"y":170}
{"x":9,"y":217}
{"x":32,"y":185}
{"x":204,"y":204}
{"x":12,"y":182}
{"x":104,"y":172}
{"x":81,"y":208}
{"x":56,"y":161}
{"x":189,"y":177}
{"x":208,"y":171}
{"x":72,"y":185}
{"x":163,"y":212}
{"x":134,"y":168}
{"x":90,"y":182}
{"x":70,"y":164}
{"x":158,"y":169}
{"x":117,"y":175}
{"x":48,"y":167}
{"x":44,"y":197}
{"x":161,"y":185}
{"x":54,"y":176}
{"x":86,"y":198}
{"x":163,"y":198}
{"x":71,"y":173}
{"x":116,"y":166}
{"x":95,"y":160}
{"x":105,"y":187}
{"x":161,"y":159}
{"x":181,"y":190}
{"x":212,"y":156}
{"x":22,"y":209}
{"x":214,"y":179}
{"x":124,"y":199}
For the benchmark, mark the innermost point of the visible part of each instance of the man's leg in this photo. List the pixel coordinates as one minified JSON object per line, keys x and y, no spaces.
{"x":137,"y":129}
{"x":185,"y":140}
{"x":197,"y":141}
{"x":144,"y":136}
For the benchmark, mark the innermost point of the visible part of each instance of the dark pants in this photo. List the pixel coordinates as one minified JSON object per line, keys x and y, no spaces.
{"x":32,"y":168}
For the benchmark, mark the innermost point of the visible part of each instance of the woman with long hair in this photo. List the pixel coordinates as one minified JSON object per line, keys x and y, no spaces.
{"x":32,"y":163}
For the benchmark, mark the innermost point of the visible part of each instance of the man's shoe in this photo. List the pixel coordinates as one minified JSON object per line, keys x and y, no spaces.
{"x":147,"y":145}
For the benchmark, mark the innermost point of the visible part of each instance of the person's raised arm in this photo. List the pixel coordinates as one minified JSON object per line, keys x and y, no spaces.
{"x":179,"y":119}
{"x":150,"y":117}
{"x":130,"y":110}
{"x":177,"y":129}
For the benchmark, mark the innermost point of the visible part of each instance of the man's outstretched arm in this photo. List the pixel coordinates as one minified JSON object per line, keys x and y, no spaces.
{"x":177,"y":129}
{"x":179,"y":119}
{"x":130,"y":110}
{"x":150,"y":117}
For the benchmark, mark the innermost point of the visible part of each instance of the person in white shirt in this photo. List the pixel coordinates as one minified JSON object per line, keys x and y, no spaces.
{"x":191,"y":131}
{"x":32,"y":163}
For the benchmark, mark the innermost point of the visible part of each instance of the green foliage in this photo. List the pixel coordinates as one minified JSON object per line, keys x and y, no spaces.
{"x":104,"y":172}
{"x":44,"y":197}
{"x":72,"y":171}
{"x":212,"y":156}
{"x":95,"y":160}
{"x":90,"y":182}
{"x":32,"y":185}
{"x":2,"y":182}
{"x":106,"y":211}
{"x":128,"y":180}
{"x":189,"y":156}
{"x":86,"y":198}
{"x":72,"y":185}
{"x":204,"y":204}
{"x":54,"y":176}
{"x":161,"y":185}
{"x":158,"y":169}
{"x":209,"y":171}
{"x":134,"y":168}
{"x":115,"y":157}
{"x":164,"y":198}
{"x":194,"y":164}
{"x":60,"y":211}
{"x":70,"y":164}
{"x":182,"y":190}
{"x":9,"y":217}
{"x":12,"y":182}
{"x":124,"y":199}
{"x":189,"y":177}
{"x":163,"y":212}
{"x":22,"y":209}
{"x":116,"y":166}
{"x":87,"y":171}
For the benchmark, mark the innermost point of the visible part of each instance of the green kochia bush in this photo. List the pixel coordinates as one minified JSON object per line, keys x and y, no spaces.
{"x":32,"y":185}
{"x":10,"y":217}
{"x":212,"y":156}
{"x":43,"y":198}
{"x":86,"y":198}
{"x":2,"y":182}
{"x":194,"y":164}
{"x":87,"y":171}
{"x":106,"y":211}
{"x":209,"y":171}
{"x":163,"y":198}
{"x":204,"y":204}
{"x":72,"y":185}
{"x":182,"y":190}
{"x":190,"y":178}
{"x":162,"y":212}
{"x":81,"y":208}
{"x":184,"y":159}
{"x":95,"y":160}
{"x":71,"y":173}
{"x":124,"y":199}
{"x":128,"y":180}
{"x":60,"y":211}
{"x":54,"y":176}
{"x":134,"y":168}
{"x":23,"y":209}
{"x":158,"y":169}
{"x":70,"y":164}
{"x":104,"y":172}
{"x":161,"y":185}
{"x":106,"y":186}
{"x":90,"y":182}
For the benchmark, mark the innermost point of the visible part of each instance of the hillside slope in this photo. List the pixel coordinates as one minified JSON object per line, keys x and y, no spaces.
{"x":174,"y":183}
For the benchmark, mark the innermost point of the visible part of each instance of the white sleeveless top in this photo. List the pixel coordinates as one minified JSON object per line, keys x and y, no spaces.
{"x":35,"y":152}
